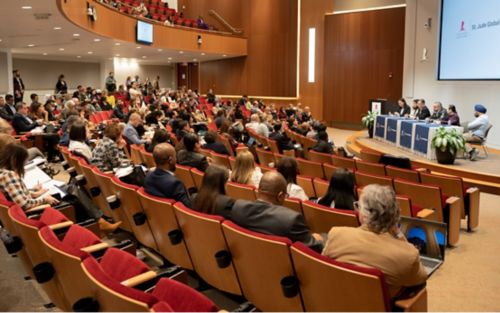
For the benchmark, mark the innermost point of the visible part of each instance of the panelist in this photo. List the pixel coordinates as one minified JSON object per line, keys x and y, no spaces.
{"x":476,"y":131}
{"x":423,"y":112}
{"x":404,"y":108}
{"x":452,"y":118}
{"x":438,"y":112}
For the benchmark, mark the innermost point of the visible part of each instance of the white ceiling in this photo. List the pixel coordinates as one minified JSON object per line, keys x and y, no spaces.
{"x":19,"y":28}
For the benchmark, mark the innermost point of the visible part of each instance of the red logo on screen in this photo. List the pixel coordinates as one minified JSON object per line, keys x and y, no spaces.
{"x":462,"y":26}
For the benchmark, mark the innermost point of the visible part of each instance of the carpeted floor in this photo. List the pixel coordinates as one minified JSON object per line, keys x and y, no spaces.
{"x":469,"y":279}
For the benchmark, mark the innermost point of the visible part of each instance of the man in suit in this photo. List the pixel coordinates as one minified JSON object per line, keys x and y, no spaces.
{"x":423,"y":111}
{"x":18,"y":87}
{"x":213,"y":145}
{"x":284,"y":143}
{"x":3,"y":111}
{"x":190,"y":156}
{"x":268,"y":216}
{"x":438,"y":112}
{"x":130,"y":132}
{"x":162,"y":182}
{"x":323,"y":146}
{"x":378,"y":242}
{"x":10,"y":105}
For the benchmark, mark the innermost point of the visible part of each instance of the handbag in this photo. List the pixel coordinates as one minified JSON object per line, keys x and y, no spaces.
{"x":136,"y":177}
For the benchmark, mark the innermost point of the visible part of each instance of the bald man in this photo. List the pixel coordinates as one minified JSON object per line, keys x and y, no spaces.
{"x":130,"y":132}
{"x":268,"y":216}
{"x":162,"y":181}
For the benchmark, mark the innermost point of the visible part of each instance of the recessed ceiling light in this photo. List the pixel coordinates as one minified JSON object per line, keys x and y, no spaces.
{"x":45,"y":53}
{"x":170,"y":58}
{"x":90,"y":52}
{"x":195,"y":60}
{"x":144,"y":57}
{"x":57,"y":28}
{"x":117,"y":43}
{"x":26,"y":7}
{"x":181,"y":52}
{"x":117,"y":55}
{"x":160,"y":50}
{"x":97,"y":40}
{"x":224,"y":55}
{"x":1,"y":39}
{"x":76,"y":35}
{"x":61,"y":49}
{"x":31,"y":45}
{"x":203,"y":53}
{"x":78,"y":56}
{"x":138,"y":47}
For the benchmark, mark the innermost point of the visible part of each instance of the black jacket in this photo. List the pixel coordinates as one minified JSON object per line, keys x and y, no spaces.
{"x":21,"y":123}
{"x":217,"y":147}
{"x":284,"y":143}
{"x":323,"y":147}
{"x":164,"y":185}
{"x":192,"y":159}
{"x":423,"y":113}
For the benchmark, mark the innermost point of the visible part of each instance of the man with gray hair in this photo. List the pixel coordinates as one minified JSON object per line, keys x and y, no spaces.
{"x":378,"y":242}
{"x":438,"y":112}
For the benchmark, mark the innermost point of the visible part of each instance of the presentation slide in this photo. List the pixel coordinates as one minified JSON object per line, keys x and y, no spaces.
{"x":144,"y":32}
{"x":470,"y":45}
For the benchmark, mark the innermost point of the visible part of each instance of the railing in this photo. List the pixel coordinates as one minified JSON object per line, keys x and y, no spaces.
{"x":223,"y":21}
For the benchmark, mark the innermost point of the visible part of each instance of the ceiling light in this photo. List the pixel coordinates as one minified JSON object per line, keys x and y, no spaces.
{"x":170,"y":58}
{"x":90,"y":52}
{"x":224,"y":55}
{"x":181,"y":52}
{"x":45,"y":53}
{"x":1,"y":39}
{"x":57,"y":28}
{"x":117,"y":43}
{"x":195,"y":60}
{"x":160,"y":50}
{"x":144,"y":56}
{"x":97,"y":40}
{"x":76,"y":35}
{"x":61,"y":49}
{"x":203,"y":53}
{"x":31,"y":45}
{"x":117,"y":55}
{"x":26,"y":7}
{"x":138,"y":47}
{"x":78,"y":56}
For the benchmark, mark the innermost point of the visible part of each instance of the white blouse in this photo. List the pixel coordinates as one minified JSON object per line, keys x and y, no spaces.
{"x":81,"y":148}
{"x":295,"y":191}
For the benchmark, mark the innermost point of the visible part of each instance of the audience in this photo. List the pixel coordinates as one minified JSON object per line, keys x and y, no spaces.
{"x":131,"y":133}
{"x":245,"y":171}
{"x":160,"y":136}
{"x":378,"y":242}
{"x":213,"y":145}
{"x":287,"y":167}
{"x":190,"y":155}
{"x":323,"y":146}
{"x":77,"y":140}
{"x":211,"y":197}
{"x":257,"y":126}
{"x":108,"y":153}
{"x":340,"y":194}
{"x":282,"y":140}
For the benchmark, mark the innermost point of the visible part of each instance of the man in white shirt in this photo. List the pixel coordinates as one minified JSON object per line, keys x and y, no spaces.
{"x":256,"y":125}
{"x":476,"y":131}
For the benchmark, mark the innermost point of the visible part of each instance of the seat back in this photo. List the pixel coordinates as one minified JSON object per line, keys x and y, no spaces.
{"x":293,"y":204}
{"x":148,"y":159}
{"x":320,"y":157}
{"x":131,"y":206}
{"x":306,"y":183}
{"x":330,"y":286}
{"x":401,"y":173}
{"x":259,"y":274}
{"x":369,"y":156}
{"x":451,"y":186}
{"x":404,"y":205}
{"x":184,"y":175}
{"x":207,"y":247}
{"x":329,"y":169}
{"x":165,"y":229}
{"x":94,"y":190}
{"x":135,"y":154}
{"x":370,"y":168}
{"x":273,"y":146}
{"x":241,"y":191}
{"x":309,"y":168}
{"x":423,"y":196}
{"x":104,"y":181}
{"x":321,"y":219}
{"x":197,"y":177}
{"x":321,"y":187}
{"x":343,"y":162}
{"x":227,"y":144}
{"x":364,"y":179}
{"x":266,"y":158}
{"x":222,"y":160}
{"x":66,"y":257}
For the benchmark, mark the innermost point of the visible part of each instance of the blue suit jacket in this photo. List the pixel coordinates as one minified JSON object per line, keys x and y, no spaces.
{"x":165,"y":185}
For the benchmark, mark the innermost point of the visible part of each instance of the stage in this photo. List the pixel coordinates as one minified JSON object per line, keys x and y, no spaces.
{"x":483,"y":173}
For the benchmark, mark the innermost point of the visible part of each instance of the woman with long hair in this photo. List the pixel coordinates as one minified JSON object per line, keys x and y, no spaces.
{"x":287,"y":166}
{"x":245,"y":171}
{"x":340,"y":194}
{"x":211,"y":197}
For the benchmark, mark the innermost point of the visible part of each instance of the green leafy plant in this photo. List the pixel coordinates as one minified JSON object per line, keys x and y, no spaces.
{"x":448,"y":140}
{"x":369,"y":119}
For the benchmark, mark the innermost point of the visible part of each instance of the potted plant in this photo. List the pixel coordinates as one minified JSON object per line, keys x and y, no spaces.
{"x":369,"y":121}
{"x":447,"y":142}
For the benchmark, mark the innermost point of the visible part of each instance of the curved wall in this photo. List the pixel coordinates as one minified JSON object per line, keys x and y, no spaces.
{"x":113,"y":24}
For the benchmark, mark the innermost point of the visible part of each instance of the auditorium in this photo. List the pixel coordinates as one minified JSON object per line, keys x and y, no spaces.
{"x":249,"y":155}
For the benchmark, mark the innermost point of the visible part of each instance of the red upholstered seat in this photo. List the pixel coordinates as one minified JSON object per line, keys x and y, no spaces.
{"x":182,"y":298}
{"x":79,"y":237}
{"x":49,"y":216}
{"x":162,"y":307}
{"x":52,"y":216}
{"x":120,"y":265}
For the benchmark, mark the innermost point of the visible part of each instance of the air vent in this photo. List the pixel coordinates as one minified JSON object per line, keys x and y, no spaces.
{"x":42,"y":16}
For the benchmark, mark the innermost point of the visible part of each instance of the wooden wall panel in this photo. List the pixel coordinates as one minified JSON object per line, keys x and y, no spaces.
{"x":270,"y":67}
{"x":364,"y":60}
{"x":230,"y":10}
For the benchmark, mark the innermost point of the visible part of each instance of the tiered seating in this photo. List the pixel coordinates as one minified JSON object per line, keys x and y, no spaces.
{"x":101,"y":117}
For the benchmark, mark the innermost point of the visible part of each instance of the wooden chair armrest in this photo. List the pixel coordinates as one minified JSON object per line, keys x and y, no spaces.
{"x":422,"y":169}
{"x":472,"y":190}
{"x":38,"y":208}
{"x":96,"y":247}
{"x":417,"y":303}
{"x":452,"y":200}
{"x":108,"y":172}
{"x":139,"y":279}
{"x":61,"y":225}
{"x":425,"y":213}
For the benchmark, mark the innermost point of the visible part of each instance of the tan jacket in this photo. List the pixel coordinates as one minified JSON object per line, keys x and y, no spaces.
{"x":396,"y":258}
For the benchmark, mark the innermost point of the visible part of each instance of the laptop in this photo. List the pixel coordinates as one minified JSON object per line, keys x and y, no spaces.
{"x":429,"y":238}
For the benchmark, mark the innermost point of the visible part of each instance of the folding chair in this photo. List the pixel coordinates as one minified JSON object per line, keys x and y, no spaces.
{"x":321,"y":219}
{"x":241,"y":191}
